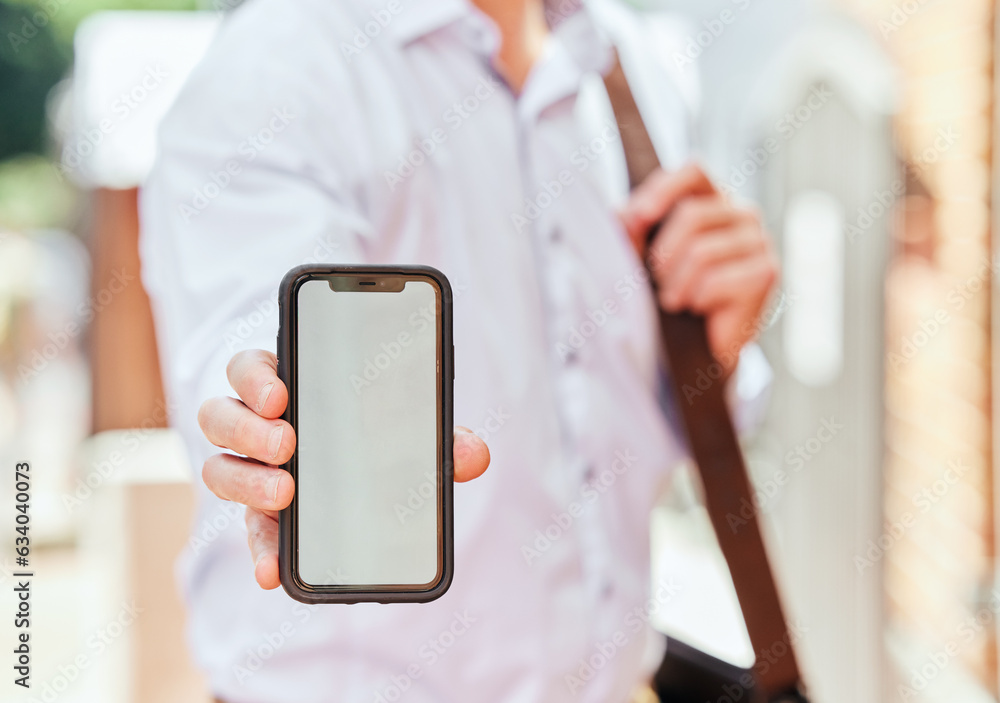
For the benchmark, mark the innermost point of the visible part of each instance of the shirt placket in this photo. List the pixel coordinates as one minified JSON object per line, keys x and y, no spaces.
{"x":571,"y":367}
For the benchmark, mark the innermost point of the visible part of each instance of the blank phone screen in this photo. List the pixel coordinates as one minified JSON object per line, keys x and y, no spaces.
{"x":367,"y":411}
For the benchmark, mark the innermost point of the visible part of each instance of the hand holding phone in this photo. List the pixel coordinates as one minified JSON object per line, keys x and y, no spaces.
{"x":252,"y":427}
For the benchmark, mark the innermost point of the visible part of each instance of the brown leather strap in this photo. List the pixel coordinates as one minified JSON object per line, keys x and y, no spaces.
{"x":713,"y":442}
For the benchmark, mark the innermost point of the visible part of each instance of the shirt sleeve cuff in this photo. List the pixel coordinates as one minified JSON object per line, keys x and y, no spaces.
{"x":749,"y":389}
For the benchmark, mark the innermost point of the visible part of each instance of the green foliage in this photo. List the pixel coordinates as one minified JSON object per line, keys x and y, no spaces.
{"x":31,"y":62}
{"x":36,"y":40}
{"x":33,"y":195}
{"x":36,"y":49}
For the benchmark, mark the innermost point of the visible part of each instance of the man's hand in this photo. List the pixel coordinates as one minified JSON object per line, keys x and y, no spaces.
{"x":708,"y":256}
{"x":253,"y":428}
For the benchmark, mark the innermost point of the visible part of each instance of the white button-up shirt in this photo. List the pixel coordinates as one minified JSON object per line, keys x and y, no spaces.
{"x":378,"y":132}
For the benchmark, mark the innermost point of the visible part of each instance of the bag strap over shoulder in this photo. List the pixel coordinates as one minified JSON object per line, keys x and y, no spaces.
{"x":713,"y":443}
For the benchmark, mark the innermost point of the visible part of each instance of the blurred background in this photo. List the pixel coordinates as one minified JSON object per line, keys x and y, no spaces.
{"x":863,"y":128}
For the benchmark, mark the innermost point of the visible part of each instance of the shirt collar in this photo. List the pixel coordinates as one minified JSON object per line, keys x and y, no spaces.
{"x":576,"y":45}
{"x":419,"y":18}
{"x":584,"y":40}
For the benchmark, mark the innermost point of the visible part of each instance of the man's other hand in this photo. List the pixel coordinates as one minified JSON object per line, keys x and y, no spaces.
{"x":708,"y":256}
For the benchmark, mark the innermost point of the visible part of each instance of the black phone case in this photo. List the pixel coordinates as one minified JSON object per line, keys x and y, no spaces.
{"x":286,"y":372}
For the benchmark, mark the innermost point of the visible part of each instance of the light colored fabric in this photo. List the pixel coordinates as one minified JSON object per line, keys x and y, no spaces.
{"x":354,"y":132}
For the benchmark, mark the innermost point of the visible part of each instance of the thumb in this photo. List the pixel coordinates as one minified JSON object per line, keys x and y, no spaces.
{"x":471,"y":454}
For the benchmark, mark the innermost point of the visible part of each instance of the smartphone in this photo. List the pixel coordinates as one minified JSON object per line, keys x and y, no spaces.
{"x":366,"y":354}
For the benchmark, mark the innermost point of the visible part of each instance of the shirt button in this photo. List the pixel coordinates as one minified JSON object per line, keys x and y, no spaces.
{"x":608,"y":590}
{"x":588,"y":474}
{"x":556,"y":236}
{"x":571,"y":357}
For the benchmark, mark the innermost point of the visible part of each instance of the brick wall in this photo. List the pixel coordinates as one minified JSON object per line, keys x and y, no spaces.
{"x":938,"y":471}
